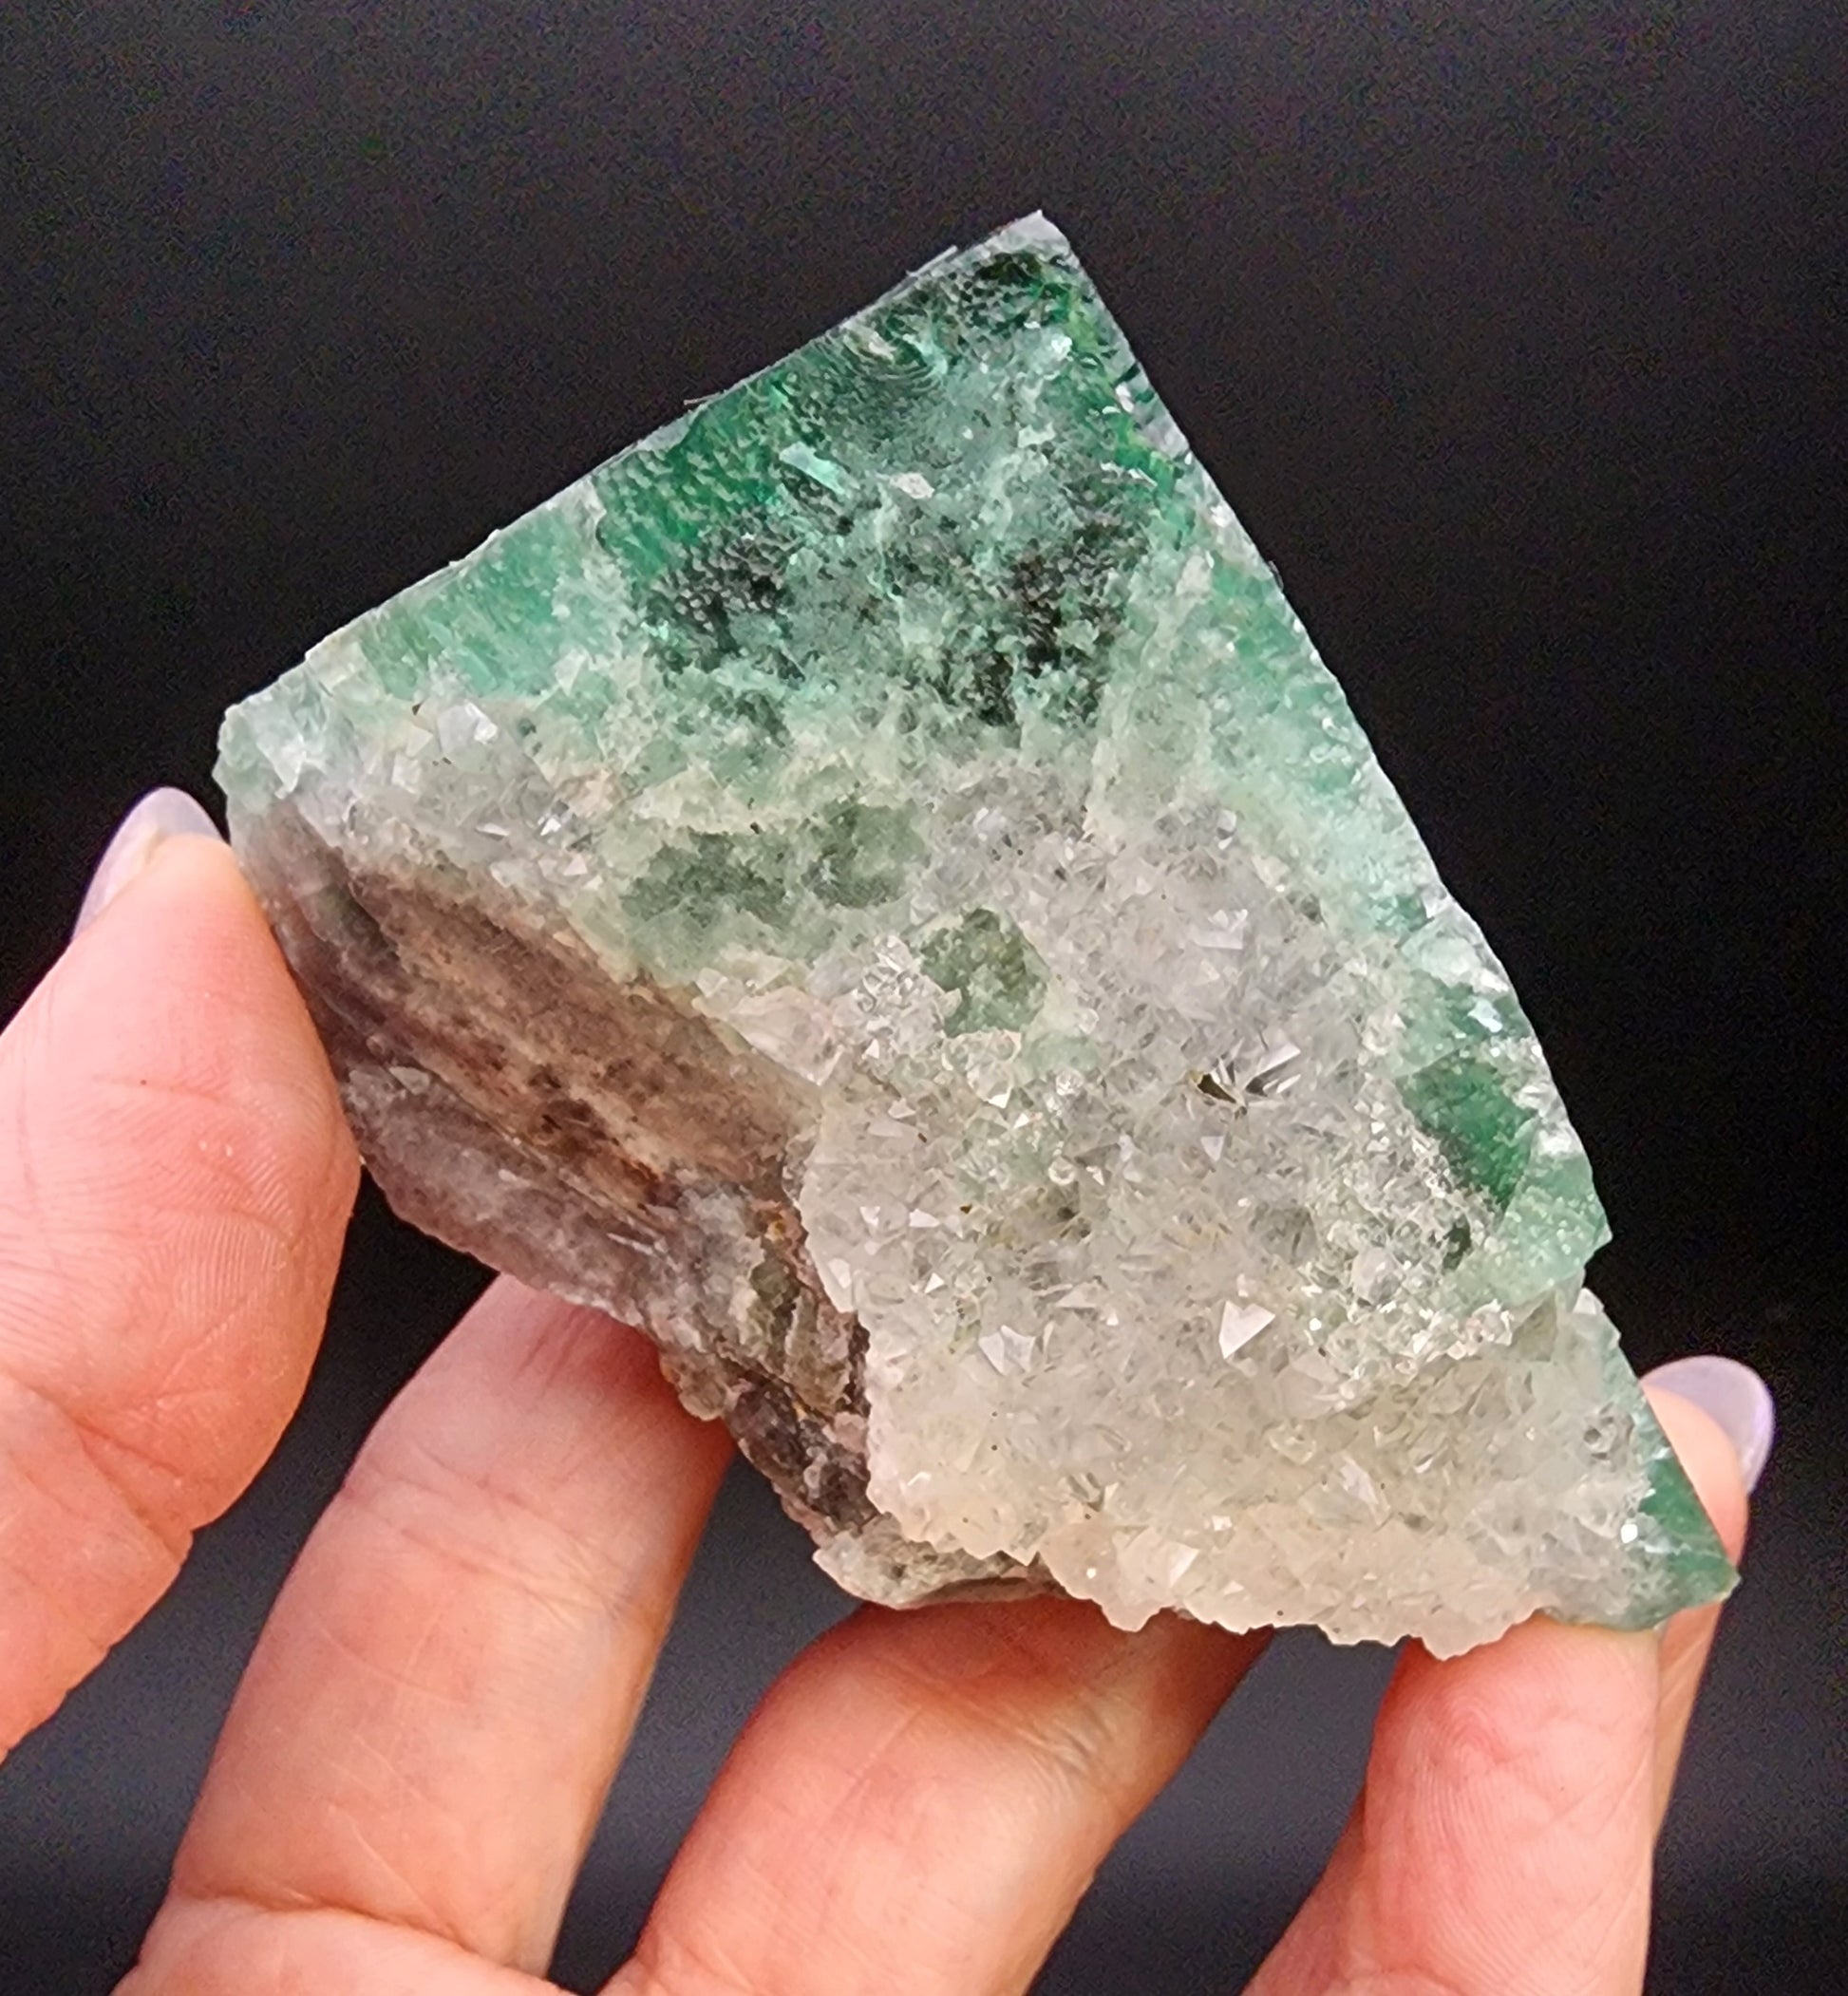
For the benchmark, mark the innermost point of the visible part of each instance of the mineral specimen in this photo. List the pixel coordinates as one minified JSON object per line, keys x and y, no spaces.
{"x":873,"y":885}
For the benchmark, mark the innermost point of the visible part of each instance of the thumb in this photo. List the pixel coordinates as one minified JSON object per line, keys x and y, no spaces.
{"x":175,"y":1179}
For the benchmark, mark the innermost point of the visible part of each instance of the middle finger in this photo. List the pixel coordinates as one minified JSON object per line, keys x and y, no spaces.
{"x":445,"y":1688}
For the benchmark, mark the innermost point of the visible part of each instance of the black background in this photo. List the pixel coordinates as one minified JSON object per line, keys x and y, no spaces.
{"x":1514,"y":333}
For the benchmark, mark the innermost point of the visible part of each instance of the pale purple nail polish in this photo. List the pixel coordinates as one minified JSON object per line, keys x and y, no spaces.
{"x":1735,"y":1396}
{"x":159,"y":816}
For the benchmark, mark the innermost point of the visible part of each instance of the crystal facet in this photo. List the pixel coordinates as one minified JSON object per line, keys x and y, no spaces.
{"x":873,"y":884}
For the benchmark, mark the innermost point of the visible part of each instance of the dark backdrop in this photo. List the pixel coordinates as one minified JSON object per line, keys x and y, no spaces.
{"x":1514,"y":332}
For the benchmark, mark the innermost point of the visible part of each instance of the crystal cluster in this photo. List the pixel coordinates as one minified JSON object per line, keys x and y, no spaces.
{"x":873,"y":884}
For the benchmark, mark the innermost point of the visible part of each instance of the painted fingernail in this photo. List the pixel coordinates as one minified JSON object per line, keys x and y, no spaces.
{"x":1735,"y":1396}
{"x":159,"y":816}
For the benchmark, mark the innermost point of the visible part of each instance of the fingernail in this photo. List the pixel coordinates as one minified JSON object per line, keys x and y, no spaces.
{"x":159,"y":816}
{"x":1735,"y":1396}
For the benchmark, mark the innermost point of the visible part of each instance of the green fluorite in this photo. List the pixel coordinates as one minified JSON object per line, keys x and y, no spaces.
{"x":873,"y":884}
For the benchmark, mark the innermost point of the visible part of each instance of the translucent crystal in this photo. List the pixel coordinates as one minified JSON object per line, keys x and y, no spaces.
{"x":873,"y":884}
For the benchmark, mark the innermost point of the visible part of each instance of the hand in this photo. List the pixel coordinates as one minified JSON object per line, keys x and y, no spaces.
{"x":419,"y":1748}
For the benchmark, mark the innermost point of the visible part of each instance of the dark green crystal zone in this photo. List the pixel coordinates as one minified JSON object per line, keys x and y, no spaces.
{"x":760,"y":540}
{"x":1677,"y":1560}
{"x":770,"y":554}
{"x":1486,"y":1136}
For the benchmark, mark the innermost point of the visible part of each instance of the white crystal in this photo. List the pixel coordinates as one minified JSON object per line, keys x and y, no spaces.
{"x":1239,"y":1324}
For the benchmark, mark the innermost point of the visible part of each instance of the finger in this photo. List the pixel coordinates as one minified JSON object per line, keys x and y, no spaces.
{"x":1503,"y":1837}
{"x":432,"y":1716}
{"x":174,"y":1179}
{"x":917,"y":1806}
{"x":1502,"y":1841}
{"x":221,"y":1947}
{"x":1723,"y":1468}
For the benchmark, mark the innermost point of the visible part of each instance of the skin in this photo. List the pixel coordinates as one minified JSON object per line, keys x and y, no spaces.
{"x":412,"y":1767}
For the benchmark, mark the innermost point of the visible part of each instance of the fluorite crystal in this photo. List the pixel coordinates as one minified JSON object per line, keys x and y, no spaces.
{"x":873,"y":885}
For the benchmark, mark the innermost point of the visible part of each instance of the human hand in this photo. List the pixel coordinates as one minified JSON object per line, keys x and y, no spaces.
{"x":414,"y":1762}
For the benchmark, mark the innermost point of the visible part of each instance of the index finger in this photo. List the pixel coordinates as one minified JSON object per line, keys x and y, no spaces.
{"x":174,"y":1179}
